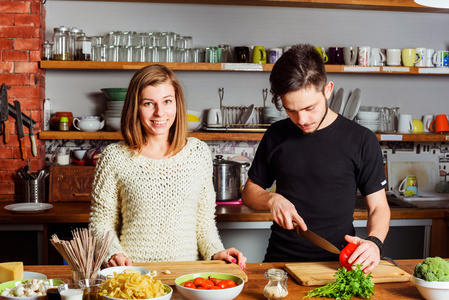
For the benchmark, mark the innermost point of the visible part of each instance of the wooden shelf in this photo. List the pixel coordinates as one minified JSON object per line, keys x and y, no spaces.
{"x":219,"y":67}
{"x":385,"y":5}
{"x":227,"y":136}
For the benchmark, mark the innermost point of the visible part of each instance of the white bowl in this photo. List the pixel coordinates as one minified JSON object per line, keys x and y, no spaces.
{"x":194,"y":126}
{"x":373,"y":128}
{"x":168,"y":289}
{"x":368,"y":115}
{"x":14,"y":283}
{"x":110,"y":271}
{"x":224,"y":294}
{"x":79,"y":153}
{"x":113,"y":123}
{"x":432,"y":290}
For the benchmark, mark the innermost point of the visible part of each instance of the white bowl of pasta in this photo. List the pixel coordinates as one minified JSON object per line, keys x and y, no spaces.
{"x":134,"y":286}
{"x":107,"y":272}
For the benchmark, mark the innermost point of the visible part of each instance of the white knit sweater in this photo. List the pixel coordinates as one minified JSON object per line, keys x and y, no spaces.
{"x":159,"y":210}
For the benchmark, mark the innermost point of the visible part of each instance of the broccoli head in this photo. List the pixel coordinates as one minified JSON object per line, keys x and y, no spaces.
{"x":432,"y":269}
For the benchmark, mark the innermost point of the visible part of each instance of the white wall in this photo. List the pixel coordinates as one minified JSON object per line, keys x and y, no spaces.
{"x":79,"y":91}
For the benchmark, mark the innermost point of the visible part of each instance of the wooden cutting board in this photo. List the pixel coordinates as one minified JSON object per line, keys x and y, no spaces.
{"x":320,"y":273}
{"x":188,"y":267}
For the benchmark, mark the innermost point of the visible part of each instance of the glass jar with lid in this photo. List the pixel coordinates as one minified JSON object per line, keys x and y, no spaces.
{"x":83,"y":48}
{"x":47,"y":51}
{"x":74,"y":33}
{"x":276,"y":289}
{"x":61,"y":43}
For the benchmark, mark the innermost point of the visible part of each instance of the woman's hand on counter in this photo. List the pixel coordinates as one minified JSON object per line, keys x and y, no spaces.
{"x":119,"y":260}
{"x":231,"y":255}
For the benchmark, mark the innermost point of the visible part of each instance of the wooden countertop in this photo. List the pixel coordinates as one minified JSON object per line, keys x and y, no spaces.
{"x":253,"y":289}
{"x":79,"y":213}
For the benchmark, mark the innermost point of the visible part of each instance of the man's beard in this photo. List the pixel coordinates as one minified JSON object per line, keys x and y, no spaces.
{"x":319,"y":124}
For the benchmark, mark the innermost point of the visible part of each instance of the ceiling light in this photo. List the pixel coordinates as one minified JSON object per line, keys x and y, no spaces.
{"x":434,"y":3}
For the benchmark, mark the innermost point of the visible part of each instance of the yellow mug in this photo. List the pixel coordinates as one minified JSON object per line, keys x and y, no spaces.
{"x":418,"y":126}
{"x":410,"y":57}
{"x":322,"y":53}
{"x":409,"y":186}
{"x":259,"y":55}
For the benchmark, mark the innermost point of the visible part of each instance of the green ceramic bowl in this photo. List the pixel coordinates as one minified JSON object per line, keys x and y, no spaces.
{"x":115,"y":94}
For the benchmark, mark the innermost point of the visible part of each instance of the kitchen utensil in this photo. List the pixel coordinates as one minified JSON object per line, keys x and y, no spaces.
{"x":28,"y":208}
{"x":317,"y":240}
{"x":4,"y":113}
{"x":247,"y":115}
{"x":227,"y":178}
{"x":188,"y":267}
{"x":33,"y":140}
{"x":320,"y":273}
{"x":20,"y":133}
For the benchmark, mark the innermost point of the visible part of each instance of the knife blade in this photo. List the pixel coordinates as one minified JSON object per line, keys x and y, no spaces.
{"x":316,"y":239}
{"x":26,"y":121}
{"x":20,"y":129}
{"x":33,"y":140}
{"x":4,"y":114}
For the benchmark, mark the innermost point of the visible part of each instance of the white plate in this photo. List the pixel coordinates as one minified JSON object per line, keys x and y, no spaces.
{"x":33,"y":275}
{"x":338,"y":103}
{"x":28,"y":208}
{"x":247,"y":115}
{"x":329,"y":101}
{"x":353,"y":105}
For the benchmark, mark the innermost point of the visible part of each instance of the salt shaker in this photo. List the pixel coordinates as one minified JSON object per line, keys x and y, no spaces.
{"x":64,"y":124}
{"x":276,"y":289}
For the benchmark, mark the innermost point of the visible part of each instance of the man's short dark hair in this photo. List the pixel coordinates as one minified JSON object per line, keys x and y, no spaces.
{"x":300,"y":67}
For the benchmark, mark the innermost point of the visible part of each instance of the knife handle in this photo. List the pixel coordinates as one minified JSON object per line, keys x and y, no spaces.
{"x":6,"y":131}
{"x":33,"y":145}
{"x":23,"y":149}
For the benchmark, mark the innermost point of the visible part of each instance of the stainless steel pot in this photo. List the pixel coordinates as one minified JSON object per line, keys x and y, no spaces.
{"x":227,"y":178}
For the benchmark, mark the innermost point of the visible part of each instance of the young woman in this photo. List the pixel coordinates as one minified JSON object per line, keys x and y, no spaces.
{"x":154,"y":189}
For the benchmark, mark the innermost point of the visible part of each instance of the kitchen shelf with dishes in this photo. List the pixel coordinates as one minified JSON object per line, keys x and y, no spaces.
{"x":230,"y":136}
{"x":235,"y":67}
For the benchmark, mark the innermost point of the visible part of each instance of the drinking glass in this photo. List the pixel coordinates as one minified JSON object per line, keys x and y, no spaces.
{"x":211,"y":54}
{"x":167,"y":54}
{"x":114,"y":53}
{"x":126,"y":53}
{"x":51,"y":287}
{"x":114,"y":38}
{"x":92,"y":288}
{"x":128,"y":38}
{"x":71,"y":291}
{"x":139,"y":53}
{"x":98,"y":40}
{"x":198,"y":55}
{"x":99,"y":52}
{"x":185,"y":55}
{"x":167,"y":39}
{"x":152,"y":54}
{"x":226,"y":53}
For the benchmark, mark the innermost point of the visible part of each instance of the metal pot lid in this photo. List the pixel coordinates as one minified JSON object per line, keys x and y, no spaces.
{"x":220,"y":161}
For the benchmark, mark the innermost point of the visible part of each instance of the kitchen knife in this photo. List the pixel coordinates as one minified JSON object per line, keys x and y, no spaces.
{"x":20,"y":129}
{"x":25,"y":119}
{"x":33,"y":140}
{"x":316,"y":239}
{"x":4,"y":113}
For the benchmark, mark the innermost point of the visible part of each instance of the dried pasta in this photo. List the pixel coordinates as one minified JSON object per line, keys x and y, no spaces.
{"x":132,"y":286}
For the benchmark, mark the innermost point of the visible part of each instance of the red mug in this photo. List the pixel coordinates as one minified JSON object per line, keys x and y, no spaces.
{"x":440,"y":124}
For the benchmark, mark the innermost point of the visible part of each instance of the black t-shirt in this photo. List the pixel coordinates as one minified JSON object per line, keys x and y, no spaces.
{"x":320,"y":174}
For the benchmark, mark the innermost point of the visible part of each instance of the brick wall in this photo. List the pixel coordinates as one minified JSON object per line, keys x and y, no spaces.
{"x":22,"y":32}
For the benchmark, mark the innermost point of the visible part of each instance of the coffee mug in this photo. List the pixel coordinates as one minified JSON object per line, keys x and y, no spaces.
{"x":394,"y":57}
{"x":440,"y":124}
{"x":426,"y":120}
{"x":335,"y":55}
{"x":410,"y":57}
{"x":211,"y":55}
{"x":377,"y":58}
{"x":429,"y":56}
{"x":418,"y":126}
{"x":441,"y":59}
{"x":364,"y":55}
{"x":405,"y":124}
{"x":350,"y":55}
{"x":322,"y":52}
{"x":409,"y":186}
{"x":423,"y":52}
{"x":214,"y":118}
{"x":274,"y":55}
{"x":241,"y":54}
{"x":259,"y":55}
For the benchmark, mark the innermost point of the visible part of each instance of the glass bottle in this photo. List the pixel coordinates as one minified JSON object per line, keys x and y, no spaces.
{"x":276,"y":289}
{"x":47,"y":49}
{"x":83,"y":48}
{"x":61,"y":45}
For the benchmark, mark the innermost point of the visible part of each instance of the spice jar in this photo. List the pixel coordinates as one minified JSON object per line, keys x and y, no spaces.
{"x":64,"y":124}
{"x":276,"y":289}
{"x":83,"y":48}
{"x":47,"y":49}
{"x":61,"y":44}
{"x":74,"y":33}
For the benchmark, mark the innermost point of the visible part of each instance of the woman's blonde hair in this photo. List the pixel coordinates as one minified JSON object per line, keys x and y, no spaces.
{"x":131,"y":126}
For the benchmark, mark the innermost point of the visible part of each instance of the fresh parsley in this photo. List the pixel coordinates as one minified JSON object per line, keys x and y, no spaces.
{"x":347,"y":284}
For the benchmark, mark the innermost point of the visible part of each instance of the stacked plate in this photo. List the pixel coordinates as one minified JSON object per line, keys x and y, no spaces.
{"x":369,"y":119}
{"x":113,"y":114}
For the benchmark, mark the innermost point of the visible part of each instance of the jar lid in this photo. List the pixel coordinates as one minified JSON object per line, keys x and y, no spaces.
{"x":76,"y":30}
{"x":275,"y":274}
{"x":64,"y":120}
{"x":61,"y":29}
{"x":220,"y":161}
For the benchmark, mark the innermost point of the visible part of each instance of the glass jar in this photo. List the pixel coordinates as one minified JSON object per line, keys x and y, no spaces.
{"x":74,"y":33}
{"x":61,"y":43}
{"x":276,"y":289}
{"x":47,"y":49}
{"x":83,"y":48}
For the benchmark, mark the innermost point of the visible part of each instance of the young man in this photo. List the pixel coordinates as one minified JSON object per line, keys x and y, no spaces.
{"x":318,"y":159}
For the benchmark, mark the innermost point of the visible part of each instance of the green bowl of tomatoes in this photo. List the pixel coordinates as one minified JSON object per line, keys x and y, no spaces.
{"x":209,"y":285}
